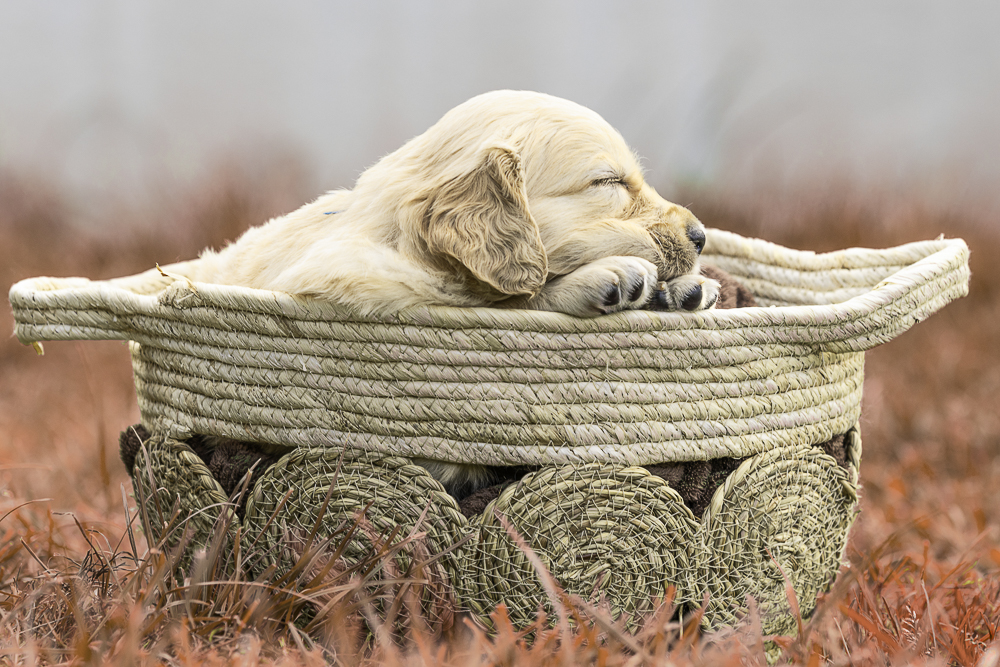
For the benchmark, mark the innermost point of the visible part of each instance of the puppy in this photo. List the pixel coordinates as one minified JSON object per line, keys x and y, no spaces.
{"x":511,"y":200}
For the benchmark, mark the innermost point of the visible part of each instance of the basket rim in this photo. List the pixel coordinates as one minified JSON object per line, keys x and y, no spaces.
{"x":938,"y":268}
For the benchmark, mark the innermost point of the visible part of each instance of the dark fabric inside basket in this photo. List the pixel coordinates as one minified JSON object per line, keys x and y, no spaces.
{"x":695,"y":481}
{"x":230,"y":460}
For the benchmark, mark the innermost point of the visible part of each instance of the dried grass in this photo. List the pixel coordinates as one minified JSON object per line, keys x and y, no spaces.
{"x":78,"y":585}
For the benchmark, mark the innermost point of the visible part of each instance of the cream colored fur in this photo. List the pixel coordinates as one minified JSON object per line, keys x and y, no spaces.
{"x":512,"y":199}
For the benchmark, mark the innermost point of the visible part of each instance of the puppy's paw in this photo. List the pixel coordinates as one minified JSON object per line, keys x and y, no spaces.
{"x":623,"y":283}
{"x":604,"y":286}
{"x":687,"y":292}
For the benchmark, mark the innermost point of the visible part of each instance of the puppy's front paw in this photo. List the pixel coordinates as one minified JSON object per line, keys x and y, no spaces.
{"x":687,"y":292}
{"x":624,"y":283}
{"x":604,"y":286}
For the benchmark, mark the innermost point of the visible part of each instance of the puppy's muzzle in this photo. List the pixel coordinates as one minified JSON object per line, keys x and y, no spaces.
{"x":679,"y":247}
{"x":680,"y":253}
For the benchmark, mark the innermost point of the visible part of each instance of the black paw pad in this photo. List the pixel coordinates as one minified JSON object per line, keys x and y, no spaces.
{"x":659,"y":300}
{"x":636,"y":292}
{"x":692,"y":299}
{"x":613,"y":296}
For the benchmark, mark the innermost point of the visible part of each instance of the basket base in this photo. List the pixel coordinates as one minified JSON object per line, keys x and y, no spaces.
{"x":615,"y":536}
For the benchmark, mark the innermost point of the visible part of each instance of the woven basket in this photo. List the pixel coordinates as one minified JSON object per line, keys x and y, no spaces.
{"x":500,"y":387}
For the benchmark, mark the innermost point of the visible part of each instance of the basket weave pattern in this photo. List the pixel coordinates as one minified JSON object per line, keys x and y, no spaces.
{"x":514,"y":387}
{"x":318,"y":493}
{"x":179,"y":499}
{"x":783,"y":514}
{"x":608,"y":531}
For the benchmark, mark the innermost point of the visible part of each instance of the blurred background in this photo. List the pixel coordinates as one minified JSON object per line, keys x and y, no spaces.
{"x":118,"y":102}
{"x":141,"y":131}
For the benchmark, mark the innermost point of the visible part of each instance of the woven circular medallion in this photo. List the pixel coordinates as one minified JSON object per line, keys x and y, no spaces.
{"x":359,"y":505}
{"x":179,"y":499}
{"x":607,"y":534}
{"x":781,"y":514}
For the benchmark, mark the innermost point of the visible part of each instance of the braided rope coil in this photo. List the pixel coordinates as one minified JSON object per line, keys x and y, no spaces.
{"x":359,"y":505}
{"x":182,"y":506}
{"x":782,"y":517}
{"x":610,"y":535}
{"x":500,"y":387}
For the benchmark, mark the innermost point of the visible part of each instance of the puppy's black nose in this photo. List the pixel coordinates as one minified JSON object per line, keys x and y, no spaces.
{"x":697,"y":237}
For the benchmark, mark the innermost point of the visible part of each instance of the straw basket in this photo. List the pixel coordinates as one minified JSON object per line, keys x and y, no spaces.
{"x":583,"y":403}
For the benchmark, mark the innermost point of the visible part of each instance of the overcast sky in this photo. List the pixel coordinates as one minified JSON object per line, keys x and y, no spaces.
{"x":112,"y":95}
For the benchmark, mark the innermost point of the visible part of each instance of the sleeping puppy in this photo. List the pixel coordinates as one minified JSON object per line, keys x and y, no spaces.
{"x":511,"y":200}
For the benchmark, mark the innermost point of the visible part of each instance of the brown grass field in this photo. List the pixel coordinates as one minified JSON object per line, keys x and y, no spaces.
{"x":922,"y":585}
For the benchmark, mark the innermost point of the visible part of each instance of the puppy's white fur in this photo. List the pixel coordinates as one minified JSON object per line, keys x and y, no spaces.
{"x":512,"y":199}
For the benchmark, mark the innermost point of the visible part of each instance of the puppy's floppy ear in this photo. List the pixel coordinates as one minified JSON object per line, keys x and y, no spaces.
{"x":481,"y":218}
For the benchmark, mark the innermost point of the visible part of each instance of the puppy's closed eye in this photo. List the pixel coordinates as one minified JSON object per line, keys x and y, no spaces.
{"x":610,"y":181}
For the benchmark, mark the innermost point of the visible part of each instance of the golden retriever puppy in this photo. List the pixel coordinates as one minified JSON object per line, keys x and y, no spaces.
{"x":511,"y":200}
